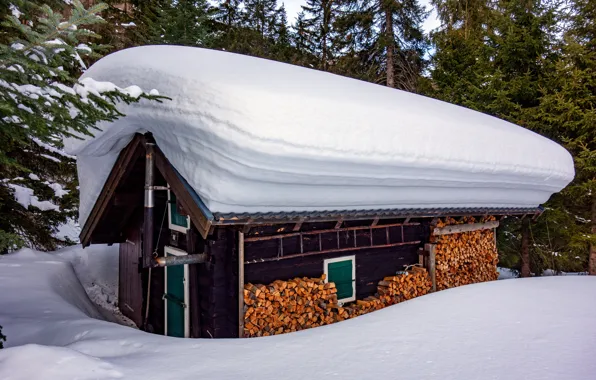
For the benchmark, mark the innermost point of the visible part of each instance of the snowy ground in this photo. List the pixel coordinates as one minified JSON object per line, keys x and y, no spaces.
{"x":539,"y":328}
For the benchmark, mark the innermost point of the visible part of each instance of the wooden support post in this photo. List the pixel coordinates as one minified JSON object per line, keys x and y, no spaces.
{"x":240,"y":284}
{"x":430,"y":248}
{"x":525,"y":248}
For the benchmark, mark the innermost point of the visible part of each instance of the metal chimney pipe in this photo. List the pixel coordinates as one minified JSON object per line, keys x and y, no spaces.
{"x":149,"y":204}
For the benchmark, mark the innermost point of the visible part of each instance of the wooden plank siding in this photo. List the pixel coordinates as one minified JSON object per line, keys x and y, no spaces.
{"x":130,"y":297}
{"x":124,"y":165}
{"x":372,"y":264}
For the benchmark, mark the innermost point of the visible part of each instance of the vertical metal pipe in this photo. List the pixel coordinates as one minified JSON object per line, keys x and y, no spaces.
{"x":240,"y":284}
{"x":149,"y":204}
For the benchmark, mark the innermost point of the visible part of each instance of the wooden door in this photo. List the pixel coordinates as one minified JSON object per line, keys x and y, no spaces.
{"x":130,"y":286}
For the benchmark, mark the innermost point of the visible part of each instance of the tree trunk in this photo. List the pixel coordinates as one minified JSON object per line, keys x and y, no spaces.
{"x":592,"y":259}
{"x":390,"y":44}
{"x":525,"y":248}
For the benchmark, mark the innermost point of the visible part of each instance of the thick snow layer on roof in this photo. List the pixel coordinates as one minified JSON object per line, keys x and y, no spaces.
{"x":531,"y":329}
{"x":252,"y":135}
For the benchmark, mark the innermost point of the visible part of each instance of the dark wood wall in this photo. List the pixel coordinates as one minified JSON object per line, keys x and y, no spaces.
{"x":218,"y":286}
{"x":372,"y":264}
{"x":130,"y":288}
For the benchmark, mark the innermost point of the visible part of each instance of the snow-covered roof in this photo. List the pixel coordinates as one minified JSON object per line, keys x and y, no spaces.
{"x":253,"y":135}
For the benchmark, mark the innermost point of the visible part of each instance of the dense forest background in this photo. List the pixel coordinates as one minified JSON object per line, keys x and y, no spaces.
{"x":531,"y":62}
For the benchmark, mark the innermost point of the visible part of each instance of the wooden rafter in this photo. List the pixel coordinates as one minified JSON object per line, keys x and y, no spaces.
{"x":198,"y":218}
{"x":122,"y":167}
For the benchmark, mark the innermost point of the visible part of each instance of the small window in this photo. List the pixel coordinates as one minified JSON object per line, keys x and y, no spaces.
{"x":176,"y":221}
{"x":342,"y":272}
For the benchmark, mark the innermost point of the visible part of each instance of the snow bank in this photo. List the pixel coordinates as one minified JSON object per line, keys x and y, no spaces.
{"x":532,"y":329}
{"x":252,"y":135}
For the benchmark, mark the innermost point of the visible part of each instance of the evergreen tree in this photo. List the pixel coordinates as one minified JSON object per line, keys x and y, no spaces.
{"x":186,"y":22}
{"x":41,"y":102}
{"x":261,"y":16}
{"x":318,"y":17}
{"x":228,"y":14}
{"x":282,"y":48}
{"x":567,"y":114}
{"x":388,"y":35}
{"x":2,"y":338}
{"x":461,"y":62}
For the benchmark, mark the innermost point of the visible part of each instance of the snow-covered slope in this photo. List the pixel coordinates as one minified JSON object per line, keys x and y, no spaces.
{"x":531,"y":329}
{"x":252,"y":135}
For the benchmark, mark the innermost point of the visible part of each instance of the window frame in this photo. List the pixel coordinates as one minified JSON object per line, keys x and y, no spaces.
{"x":352,"y":258}
{"x":172,"y":226}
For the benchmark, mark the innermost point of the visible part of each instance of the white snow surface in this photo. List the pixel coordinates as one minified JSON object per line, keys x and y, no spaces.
{"x":531,"y":329}
{"x":253,"y":135}
{"x":25,"y":197}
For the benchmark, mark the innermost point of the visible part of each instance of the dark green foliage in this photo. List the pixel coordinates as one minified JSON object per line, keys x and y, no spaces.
{"x":40,"y":104}
{"x":506,"y":58}
{"x":2,"y":338}
{"x":385,"y":42}
{"x":185,"y":22}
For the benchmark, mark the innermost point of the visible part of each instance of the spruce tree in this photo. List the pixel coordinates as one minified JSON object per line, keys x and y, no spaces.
{"x":42,"y":102}
{"x":186,"y":22}
{"x":462,"y":58}
{"x":261,"y":16}
{"x":388,"y":35}
{"x":228,"y":13}
{"x":318,"y":19}
{"x":567,"y":114}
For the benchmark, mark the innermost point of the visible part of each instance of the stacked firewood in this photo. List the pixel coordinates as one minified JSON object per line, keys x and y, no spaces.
{"x":465,"y":258}
{"x":411,"y":284}
{"x":301,"y":303}
{"x":286,"y":306}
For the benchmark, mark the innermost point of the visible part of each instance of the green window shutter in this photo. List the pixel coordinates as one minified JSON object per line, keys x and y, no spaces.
{"x":176,"y":218}
{"x":340,"y":273}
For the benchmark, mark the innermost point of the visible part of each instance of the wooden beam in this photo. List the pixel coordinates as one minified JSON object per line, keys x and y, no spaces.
{"x":315,"y":232}
{"x":432,"y":268}
{"x":240,"y":285}
{"x":339,"y":223}
{"x":331,"y":251}
{"x":459,"y":228}
{"x":298,"y":226}
{"x":201,"y":222}
{"x":121,"y":169}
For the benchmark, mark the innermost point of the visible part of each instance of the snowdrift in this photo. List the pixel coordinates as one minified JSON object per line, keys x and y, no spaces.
{"x":533,"y":329}
{"x":252,"y":135}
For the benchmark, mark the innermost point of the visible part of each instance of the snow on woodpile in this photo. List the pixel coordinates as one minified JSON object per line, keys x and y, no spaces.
{"x":531,"y":329}
{"x":252,"y":135}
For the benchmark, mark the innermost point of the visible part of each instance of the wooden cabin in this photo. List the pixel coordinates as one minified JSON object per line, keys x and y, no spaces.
{"x":183,"y":269}
{"x":217,"y":195}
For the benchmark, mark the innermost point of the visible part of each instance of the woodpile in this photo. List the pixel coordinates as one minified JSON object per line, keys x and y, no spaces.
{"x":411,"y":284}
{"x":465,"y":258}
{"x":287,"y":306}
{"x":302,"y":303}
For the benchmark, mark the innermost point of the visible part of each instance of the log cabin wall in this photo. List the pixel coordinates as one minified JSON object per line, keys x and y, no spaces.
{"x":130,"y":288}
{"x":218,"y":284}
{"x":372,"y":264}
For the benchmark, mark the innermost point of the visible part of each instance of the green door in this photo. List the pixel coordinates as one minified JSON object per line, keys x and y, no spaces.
{"x":174,"y":298}
{"x":341,"y":273}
